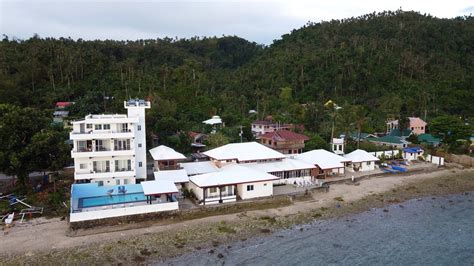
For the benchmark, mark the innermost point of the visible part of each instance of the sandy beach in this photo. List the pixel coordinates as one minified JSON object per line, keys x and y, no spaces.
{"x":45,"y":240}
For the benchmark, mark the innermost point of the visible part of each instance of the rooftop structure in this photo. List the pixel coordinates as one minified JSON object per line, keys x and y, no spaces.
{"x":389,"y":140}
{"x":166,"y":158}
{"x":327,"y":163}
{"x":215,"y":120}
{"x":175,"y":176}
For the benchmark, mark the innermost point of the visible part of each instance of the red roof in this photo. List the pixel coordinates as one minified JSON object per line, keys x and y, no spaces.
{"x":284,"y":135}
{"x":63,"y":104}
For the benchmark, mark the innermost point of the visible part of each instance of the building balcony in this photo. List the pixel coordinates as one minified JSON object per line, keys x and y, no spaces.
{"x":101,"y":134}
{"x":103,"y":174}
{"x":86,"y":153}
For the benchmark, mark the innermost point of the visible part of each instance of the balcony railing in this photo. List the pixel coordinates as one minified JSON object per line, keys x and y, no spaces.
{"x":98,"y":170}
{"x":102,"y":131}
{"x":123,"y":169}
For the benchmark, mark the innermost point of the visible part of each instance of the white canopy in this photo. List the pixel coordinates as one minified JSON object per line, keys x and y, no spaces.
{"x":231,"y":175}
{"x":247,"y":151}
{"x":176,"y":176}
{"x":358,"y":156}
{"x":322,"y":158}
{"x":163,"y":152}
{"x":158,"y":187}
{"x":215,"y":120}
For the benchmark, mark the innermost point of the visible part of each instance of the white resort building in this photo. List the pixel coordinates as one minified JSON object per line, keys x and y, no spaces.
{"x":111,"y":149}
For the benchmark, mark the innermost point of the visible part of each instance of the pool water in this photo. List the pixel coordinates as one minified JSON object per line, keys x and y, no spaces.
{"x":111,"y":200}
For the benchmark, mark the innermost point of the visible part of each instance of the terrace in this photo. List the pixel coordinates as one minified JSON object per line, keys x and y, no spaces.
{"x":90,"y":201}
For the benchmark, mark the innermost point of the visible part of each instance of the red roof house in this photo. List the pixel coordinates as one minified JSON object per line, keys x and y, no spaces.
{"x":284,"y":141}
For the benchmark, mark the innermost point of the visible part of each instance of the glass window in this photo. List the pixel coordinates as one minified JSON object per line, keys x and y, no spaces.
{"x":223,"y":189}
{"x":139,"y":164}
{"x":139,"y":127}
{"x":98,"y":127}
{"x":89,"y":126}
{"x":83,"y":166}
{"x":100,"y":183}
{"x":106,"y":126}
{"x":249,"y":187}
{"x":117,"y":182}
{"x":139,"y":145}
{"x":125,"y":181}
{"x":212,"y":190}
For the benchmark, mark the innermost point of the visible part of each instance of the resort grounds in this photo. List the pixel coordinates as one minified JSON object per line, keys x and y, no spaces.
{"x":48,"y":241}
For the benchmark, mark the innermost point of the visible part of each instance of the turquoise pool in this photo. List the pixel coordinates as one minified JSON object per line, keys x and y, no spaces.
{"x":111,"y":200}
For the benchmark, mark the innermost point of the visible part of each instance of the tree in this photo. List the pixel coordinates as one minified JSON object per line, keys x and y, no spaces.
{"x":450,"y":129}
{"x":315,"y":142}
{"x":360,"y":115}
{"x":18,"y":126}
{"x":216,"y":140}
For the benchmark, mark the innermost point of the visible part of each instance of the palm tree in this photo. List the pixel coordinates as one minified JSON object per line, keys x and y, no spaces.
{"x":360,"y":118}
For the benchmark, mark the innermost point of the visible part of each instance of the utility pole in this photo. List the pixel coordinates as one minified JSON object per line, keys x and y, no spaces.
{"x":241,"y":134}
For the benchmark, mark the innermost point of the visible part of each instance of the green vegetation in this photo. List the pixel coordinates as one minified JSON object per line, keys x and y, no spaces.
{"x":390,"y":64}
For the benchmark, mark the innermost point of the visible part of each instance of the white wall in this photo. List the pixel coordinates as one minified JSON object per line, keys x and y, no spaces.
{"x":261,"y":189}
{"x":389,"y":154}
{"x":108,"y":213}
{"x":363,"y":166}
{"x":435,"y":159}
{"x":412,"y":156}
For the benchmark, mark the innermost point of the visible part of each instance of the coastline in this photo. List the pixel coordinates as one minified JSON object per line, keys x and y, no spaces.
{"x":157,"y":244}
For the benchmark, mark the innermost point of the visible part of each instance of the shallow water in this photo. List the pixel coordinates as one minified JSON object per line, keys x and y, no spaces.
{"x":427,"y":231}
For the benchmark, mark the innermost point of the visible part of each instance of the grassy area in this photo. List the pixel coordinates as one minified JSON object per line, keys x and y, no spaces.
{"x":156,"y":246}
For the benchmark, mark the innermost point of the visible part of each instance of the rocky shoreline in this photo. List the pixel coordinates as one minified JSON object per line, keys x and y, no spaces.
{"x":184,"y":238}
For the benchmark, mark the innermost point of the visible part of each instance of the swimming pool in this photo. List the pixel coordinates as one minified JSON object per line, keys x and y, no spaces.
{"x":111,"y":200}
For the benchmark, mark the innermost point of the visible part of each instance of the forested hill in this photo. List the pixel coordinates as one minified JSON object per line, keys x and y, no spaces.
{"x":392,"y":63}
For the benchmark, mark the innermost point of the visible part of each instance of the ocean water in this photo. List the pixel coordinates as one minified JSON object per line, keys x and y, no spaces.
{"x":426,"y":231}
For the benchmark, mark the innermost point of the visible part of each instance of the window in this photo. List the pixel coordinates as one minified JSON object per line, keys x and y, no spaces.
{"x":98,"y":127}
{"x":100,"y":183}
{"x":123,"y":165}
{"x":422,"y":128}
{"x":249,"y":187}
{"x":212,"y":190}
{"x":117,"y":182}
{"x":223,"y":189}
{"x":265,"y":184}
{"x":106,"y":126}
{"x":290,"y":151}
{"x":139,"y":164}
{"x":139,"y":145}
{"x":369,"y":163}
{"x":83,"y":166}
{"x":139,"y":127}
{"x":412,"y":128}
{"x":121,"y":144}
{"x":89,"y":126}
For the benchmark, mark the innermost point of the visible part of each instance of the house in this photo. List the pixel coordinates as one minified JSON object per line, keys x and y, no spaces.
{"x":63,"y":105}
{"x":166,"y":158}
{"x":327,"y":163}
{"x":361,"y":161}
{"x":111,"y":149}
{"x":428,"y":139}
{"x":214,"y":122}
{"x":247,"y":152}
{"x":230,"y":183}
{"x":261,"y":127}
{"x":92,"y":201}
{"x":393,"y":141}
{"x":363,"y":136}
{"x":284,"y":141}
{"x":412,"y":153}
{"x":197,"y":140}
{"x":416,"y":124}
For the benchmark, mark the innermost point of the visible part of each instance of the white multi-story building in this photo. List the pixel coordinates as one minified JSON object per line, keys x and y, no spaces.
{"x":111,"y":149}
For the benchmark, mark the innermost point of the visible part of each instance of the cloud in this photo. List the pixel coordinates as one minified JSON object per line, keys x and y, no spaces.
{"x":260,"y":21}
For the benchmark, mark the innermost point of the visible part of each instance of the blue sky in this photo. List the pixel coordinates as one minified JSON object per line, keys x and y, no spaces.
{"x":259,"y":21}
